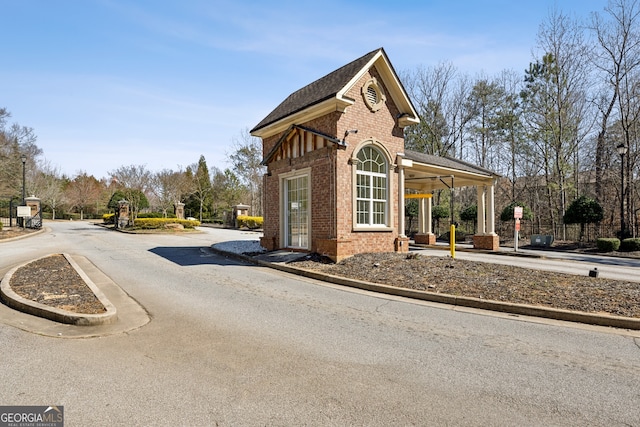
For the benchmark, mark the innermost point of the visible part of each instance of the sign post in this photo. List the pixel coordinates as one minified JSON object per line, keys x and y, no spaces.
{"x":517,"y":214}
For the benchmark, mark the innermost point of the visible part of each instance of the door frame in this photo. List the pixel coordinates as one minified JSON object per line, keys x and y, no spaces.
{"x":284,"y":208}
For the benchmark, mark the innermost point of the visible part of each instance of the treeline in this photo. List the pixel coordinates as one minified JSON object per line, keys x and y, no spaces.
{"x":207,"y":192}
{"x":554,"y":129}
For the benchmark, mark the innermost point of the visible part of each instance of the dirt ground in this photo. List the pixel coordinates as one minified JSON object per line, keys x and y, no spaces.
{"x":10,"y":232}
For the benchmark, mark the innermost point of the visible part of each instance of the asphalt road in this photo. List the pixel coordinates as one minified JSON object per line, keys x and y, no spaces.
{"x":235,"y":344}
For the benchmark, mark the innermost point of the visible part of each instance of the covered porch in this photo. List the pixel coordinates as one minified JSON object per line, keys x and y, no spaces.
{"x":426,"y":173}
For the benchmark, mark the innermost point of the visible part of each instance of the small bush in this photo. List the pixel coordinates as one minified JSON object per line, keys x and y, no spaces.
{"x":155,"y":215}
{"x":108,"y":218}
{"x":608,"y":245}
{"x":630,"y":245}
{"x":250,"y":222}
{"x":159,"y":223}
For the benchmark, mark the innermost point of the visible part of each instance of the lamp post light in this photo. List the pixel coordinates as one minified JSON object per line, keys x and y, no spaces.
{"x":622,"y":150}
{"x":24,"y":161}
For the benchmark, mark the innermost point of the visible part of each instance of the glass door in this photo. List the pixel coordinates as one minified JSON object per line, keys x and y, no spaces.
{"x":297,"y":206}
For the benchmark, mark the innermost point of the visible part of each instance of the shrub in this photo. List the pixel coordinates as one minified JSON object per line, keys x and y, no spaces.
{"x":630,"y":245}
{"x":155,"y":215}
{"x":250,"y":222}
{"x":583,"y":210}
{"x":608,"y":245}
{"x":158,"y":223}
{"x":108,"y":218}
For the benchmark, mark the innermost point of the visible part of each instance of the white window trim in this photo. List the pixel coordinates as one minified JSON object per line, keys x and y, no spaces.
{"x":388,"y":226}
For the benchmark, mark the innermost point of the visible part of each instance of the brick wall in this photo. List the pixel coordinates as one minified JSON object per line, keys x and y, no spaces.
{"x":332,"y":232}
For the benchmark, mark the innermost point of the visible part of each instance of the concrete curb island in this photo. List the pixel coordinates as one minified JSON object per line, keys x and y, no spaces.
{"x":498,"y":306}
{"x":15,"y":301}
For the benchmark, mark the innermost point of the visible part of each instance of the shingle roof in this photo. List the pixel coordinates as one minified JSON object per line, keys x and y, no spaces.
{"x":446,"y":162}
{"x":316,"y":92}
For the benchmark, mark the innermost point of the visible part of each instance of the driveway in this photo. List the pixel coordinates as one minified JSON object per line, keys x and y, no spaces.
{"x":230,"y":343}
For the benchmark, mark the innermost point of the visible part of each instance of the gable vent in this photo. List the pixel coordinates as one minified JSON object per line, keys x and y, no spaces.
{"x":372,"y":95}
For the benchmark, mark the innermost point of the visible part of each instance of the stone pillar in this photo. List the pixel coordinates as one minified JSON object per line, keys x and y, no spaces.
{"x":178,"y":209}
{"x":122,"y":219}
{"x":35,"y":215}
{"x":34,"y":205}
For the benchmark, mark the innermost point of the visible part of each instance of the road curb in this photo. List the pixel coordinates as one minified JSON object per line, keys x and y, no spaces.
{"x":499,"y":306}
{"x":15,"y":301}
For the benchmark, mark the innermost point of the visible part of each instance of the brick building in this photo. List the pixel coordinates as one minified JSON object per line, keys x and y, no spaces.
{"x":337,"y":167}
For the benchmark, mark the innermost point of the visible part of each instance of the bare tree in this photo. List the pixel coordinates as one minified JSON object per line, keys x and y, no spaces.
{"x":555,"y":99}
{"x":246,"y":160}
{"x":169,"y":187}
{"x":47,"y":184}
{"x":431,"y":89}
{"x":83,"y":192}
{"x":616,"y":58}
{"x":483,"y":106}
{"x":134,"y":181}
{"x":15,"y":141}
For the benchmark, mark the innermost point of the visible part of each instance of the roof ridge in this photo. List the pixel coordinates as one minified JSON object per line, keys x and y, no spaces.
{"x":317,"y":91}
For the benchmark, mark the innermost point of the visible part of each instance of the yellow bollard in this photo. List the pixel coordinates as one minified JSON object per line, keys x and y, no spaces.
{"x":452,"y":240}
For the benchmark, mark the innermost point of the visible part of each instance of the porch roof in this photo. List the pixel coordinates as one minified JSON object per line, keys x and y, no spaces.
{"x":428,"y":172}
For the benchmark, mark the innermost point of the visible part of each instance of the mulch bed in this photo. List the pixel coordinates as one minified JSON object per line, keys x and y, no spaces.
{"x":52,"y":281}
{"x":487,"y":281}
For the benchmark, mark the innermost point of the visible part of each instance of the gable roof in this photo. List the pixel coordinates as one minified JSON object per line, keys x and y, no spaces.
{"x":328,"y":94}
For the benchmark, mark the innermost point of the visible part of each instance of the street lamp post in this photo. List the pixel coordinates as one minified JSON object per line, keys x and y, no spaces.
{"x":622,"y":150}
{"x":24,"y":161}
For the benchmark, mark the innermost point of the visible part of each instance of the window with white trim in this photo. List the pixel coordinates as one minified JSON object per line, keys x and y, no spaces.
{"x":371,"y":188}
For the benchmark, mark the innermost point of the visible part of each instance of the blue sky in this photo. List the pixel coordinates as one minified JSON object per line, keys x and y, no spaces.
{"x":110,"y":83}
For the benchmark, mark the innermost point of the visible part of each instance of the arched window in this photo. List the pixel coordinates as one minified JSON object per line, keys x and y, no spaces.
{"x":371,"y":188}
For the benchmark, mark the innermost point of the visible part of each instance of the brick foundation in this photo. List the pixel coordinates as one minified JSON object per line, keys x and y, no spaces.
{"x":425,"y":239}
{"x":487,"y":242}
{"x":334,"y":249}
{"x":401,"y":244}
{"x":269,"y":243}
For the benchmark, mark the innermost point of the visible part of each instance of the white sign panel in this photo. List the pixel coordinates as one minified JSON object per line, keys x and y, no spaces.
{"x":24,"y":211}
{"x":517,"y":212}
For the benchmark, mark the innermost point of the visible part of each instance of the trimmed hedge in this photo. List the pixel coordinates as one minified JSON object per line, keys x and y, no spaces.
{"x":108,"y":218}
{"x":630,"y":245}
{"x":156,"y":215}
{"x":250,"y":222}
{"x":156,"y":223}
{"x":608,"y":245}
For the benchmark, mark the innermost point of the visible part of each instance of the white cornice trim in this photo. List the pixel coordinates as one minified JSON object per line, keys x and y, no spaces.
{"x":313,"y":112}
